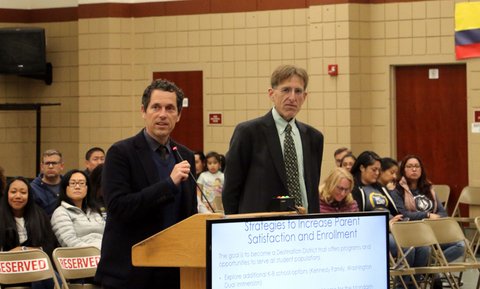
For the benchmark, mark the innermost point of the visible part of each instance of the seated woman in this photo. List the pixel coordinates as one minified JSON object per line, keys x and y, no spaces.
{"x":336,"y":193}
{"x":416,"y":199}
{"x":77,"y":221}
{"x":388,"y":173}
{"x":347,"y":161}
{"x":371,"y":196}
{"x":24,"y":225}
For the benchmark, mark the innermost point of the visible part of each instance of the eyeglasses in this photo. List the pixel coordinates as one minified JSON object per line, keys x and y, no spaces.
{"x":288,"y":91}
{"x":343,"y":190}
{"x":411,"y":167}
{"x":51,"y":164}
{"x":73,"y":184}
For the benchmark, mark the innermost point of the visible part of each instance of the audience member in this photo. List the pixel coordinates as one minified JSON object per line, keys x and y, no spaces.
{"x":339,"y":154}
{"x":211,"y":181}
{"x":24,"y":225}
{"x":368,"y":193}
{"x":371,"y":196}
{"x":94,"y":157}
{"x":77,"y":221}
{"x":200,"y":163}
{"x":222,"y":163}
{"x":46,"y":187}
{"x":275,"y":155}
{"x":336,"y":192}
{"x":97,"y":192}
{"x":3,"y":180}
{"x":146,"y":187}
{"x":347,"y":161}
{"x":416,"y":199}
{"x":388,"y":173}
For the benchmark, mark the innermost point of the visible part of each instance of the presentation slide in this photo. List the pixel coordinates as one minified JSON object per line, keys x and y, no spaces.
{"x":345,"y":252}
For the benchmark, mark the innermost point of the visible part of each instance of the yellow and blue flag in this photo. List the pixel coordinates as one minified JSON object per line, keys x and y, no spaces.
{"x":467,"y":30}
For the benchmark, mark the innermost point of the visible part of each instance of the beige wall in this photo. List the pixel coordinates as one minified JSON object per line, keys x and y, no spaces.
{"x":59,"y":123}
{"x":237,"y":52}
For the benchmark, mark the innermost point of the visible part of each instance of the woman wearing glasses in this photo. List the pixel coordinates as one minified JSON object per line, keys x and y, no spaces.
{"x":336,"y":193}
{"x":77,"y":221}
{"x":416,"y":199}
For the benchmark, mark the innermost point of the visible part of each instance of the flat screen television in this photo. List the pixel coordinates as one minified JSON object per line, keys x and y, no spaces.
{"x":22,"y":51}
{"x":321,"y":251}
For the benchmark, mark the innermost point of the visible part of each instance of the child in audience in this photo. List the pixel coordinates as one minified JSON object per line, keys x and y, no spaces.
{"x":77,"y":221}
{"x":336,"y":192}
{"x":211,"y":182}
{"x":24,"y":225}
{"x":388,"y":173}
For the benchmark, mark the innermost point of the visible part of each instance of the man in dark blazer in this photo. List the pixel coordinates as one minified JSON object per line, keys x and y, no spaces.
{"x":146,"y":189}
{"x":255,"y":171}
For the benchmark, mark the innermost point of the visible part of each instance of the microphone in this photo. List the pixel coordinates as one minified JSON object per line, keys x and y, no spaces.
{"x":175,"y":149}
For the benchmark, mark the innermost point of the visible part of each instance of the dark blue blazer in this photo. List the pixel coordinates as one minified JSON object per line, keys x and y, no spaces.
{"x":135,"y":196}
{"x":255,"y":171}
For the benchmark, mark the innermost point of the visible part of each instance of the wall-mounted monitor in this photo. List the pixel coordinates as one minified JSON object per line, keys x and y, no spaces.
{"x":23,"y":52}
{"x":322,"y":251}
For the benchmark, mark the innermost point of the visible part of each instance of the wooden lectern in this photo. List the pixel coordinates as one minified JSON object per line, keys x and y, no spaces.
{"x":184,"y":245}
{"x":181,"y":245}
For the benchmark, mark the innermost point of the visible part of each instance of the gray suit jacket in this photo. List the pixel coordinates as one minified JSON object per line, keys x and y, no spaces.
{"x":255,"y":170}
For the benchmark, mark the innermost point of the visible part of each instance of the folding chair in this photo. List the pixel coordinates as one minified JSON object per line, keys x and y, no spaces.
{"x":448,"y":230}
{"x":443,"y":193}
{"x":470,"y":196}
{"x":76,"y":263}
{"x":400,"y":268}
{"x":419,"y":234}
{"x":477,"y":225}
{"x":26,"y":267}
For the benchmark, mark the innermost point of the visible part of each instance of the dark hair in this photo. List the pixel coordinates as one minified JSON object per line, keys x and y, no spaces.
{"x":214,"y":155}
{"x":341,"y":150}
{"x":365,"y":159}
{"x":87,"y":202}
{"x":89,"y":153}
{"x":423,"y":184}
{"x":388,"y":163}
{"x":284,"y":72}
{"x":222,"y":163}
{"x":37,"y":223}
{"x":96,"y":182}
{"x":3,"y":180}
{"x":201,"y":155}
{"x":164,"y":85}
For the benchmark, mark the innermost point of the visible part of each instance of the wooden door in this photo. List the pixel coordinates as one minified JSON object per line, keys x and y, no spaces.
{"x":189,"y":130}
{"x":431,"y":117}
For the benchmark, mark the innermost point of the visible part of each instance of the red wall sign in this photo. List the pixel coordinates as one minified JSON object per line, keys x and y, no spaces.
{"x":215,"y":118}
{"x":476,"y":116}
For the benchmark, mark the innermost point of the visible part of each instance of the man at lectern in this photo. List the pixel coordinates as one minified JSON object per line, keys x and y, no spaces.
{"x":275,"y":155}
{"x":146,"y":189}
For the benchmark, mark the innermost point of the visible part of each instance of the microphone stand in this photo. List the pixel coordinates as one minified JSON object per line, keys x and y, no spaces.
{"x":175,"y":149}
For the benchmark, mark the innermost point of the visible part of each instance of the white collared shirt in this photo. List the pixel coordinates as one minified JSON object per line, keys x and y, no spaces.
{"x":281,"y":124}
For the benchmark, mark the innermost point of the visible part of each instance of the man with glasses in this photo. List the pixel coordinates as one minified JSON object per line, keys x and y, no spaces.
{"x":46,"y":186}
{"x":275,"y":155}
